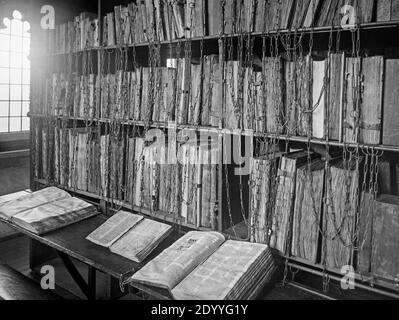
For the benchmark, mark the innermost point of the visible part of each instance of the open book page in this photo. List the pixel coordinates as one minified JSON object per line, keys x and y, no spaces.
{"x":176,"y":262}
{"x":138,"y":243}
{"x":55,"y":215}
{"x":32,"y":200}
{"x":13,"y":196}
{"x":220,"y":273}
{"x":114,"y":228}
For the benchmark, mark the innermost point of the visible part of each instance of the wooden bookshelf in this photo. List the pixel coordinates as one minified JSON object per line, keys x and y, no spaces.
{"x":371,"y":31}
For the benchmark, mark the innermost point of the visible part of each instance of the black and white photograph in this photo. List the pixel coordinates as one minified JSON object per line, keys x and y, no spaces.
{"x":178,"y":155}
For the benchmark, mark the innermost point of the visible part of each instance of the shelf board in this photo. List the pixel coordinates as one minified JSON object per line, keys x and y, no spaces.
{"x":306,"y":31}
{"x":217,"y":131}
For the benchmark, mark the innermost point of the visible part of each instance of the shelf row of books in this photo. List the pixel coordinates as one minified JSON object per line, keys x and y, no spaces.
{"x":134,"y":171}
{"x":163,"y":20}
{"x":343,"y":98}
{"x":74,"y":36}
{"x":303,"y":212}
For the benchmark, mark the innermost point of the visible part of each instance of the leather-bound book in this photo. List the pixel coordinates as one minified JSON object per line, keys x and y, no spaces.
{"x":391,"y":104}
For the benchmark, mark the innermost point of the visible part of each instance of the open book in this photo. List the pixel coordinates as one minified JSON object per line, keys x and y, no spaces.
{"x":204,"y":266}
{"x":46,"y":210}
{"x":130,"y":235}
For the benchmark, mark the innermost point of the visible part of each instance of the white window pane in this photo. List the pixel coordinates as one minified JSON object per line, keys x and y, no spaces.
{"x":25,"y":107}
{"x":3,"y":125}
{"x":4,"y":42}
{"x":16,"y":27}
{"x":25,"y":92}
{"x":4,"y":92}
{"x":3,"y":108}
{"x":15,"y":92}
{"x":16,"y":44}
{"x":4,"y":59}
{"x":26,"y":28}
{"x":15,"y":76}
{"x":4,"y":75}
{"x":25,"y":124}
{"x":26,"y":45}
{"x":26,"y":61}
{"x":15,"y":124}
{"x":26,"y":77}
{"x":15,"y":108}
{"x":16,"y":60}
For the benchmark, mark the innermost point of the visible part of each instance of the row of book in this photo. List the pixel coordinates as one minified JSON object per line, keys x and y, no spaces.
{"x":343,"y":98}
{"x":302,"y":211}
{"x":78,"y":35}
{"x":160,"y":20}
{"x":133,"y":170}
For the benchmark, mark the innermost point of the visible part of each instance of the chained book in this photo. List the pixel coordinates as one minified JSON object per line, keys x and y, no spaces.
{"x":204,"y":266}
{"x":130,"y":236}
{"x":46,"y":210}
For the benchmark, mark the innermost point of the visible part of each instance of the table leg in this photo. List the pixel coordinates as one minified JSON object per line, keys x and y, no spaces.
{"x":92,"y":283}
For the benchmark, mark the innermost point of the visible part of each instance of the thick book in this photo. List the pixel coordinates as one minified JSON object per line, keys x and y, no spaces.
{"x":308,"y":210}
{"x":391,"y":103}
{"x":204,"y":266}
{"x":214,"y":17}
{"x":371,"y":108}
{"x":387,"y":10}
{"x":319,"y":99}
{"x":130,"y":235}
{"x":262,"y":195}
{"x":46,"y":210}
{"x":300,"y":13}
{"x":340,"y":214}
{"x":385,"y":243}
{"x":335,"y":96}
{"x":285,"y":199}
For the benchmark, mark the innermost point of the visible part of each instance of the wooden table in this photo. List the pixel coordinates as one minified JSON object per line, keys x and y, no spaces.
{"x":70,"y":242}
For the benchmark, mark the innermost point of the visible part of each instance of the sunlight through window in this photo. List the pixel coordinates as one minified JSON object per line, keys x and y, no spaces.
{"x":14,"y":74}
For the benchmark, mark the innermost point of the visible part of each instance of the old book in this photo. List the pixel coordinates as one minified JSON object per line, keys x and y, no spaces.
{"x":387,"y":10}
{"x":365,"y":226}
{"x":272,"y":16}
{"x":273,"y":91}
{"x":391,"y":103}
{"x":285,"y":198}
{"x":146,"y":106}
{"x":230,"y":17}
{"x":300,"y":12}
{"x":371,"y":109}
{"x":209,"y":255}
{"x":351,"y":83}
{"x":105,"y":165}
{"x":385,"y":243}
{"x":169,"y":91}
{"x":233,"y":115}
{"x":158,"y":20}
{"x":212,"y":92}
{"x":304,"y":85}
{"x":287,"y":9}
{"x":340,"y":214}
{"x":319,"y":97}
{"x":190,"y":182}
{"x":138,"y":171}
{"x":195,"y":12}
{"x":183,"y":90}
{"x":335,"y":96}
{"x":327,"y":13}
{"x":46,"y":210}
{"x":214,"y":16}
{"x":150,"y":18}
{"x":94,"y":165}
{"x":195,"y":98}
{"x":308,"y":210}
{"x":260,"y":15}
{"x":262,"y":195}
{"x":114,"y":228}
{"x":291,"y":106}
{"x":141,"y":240}
{"x":178,"y":11}
{"x":111,"y":29}
{"x":81,"y":163}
